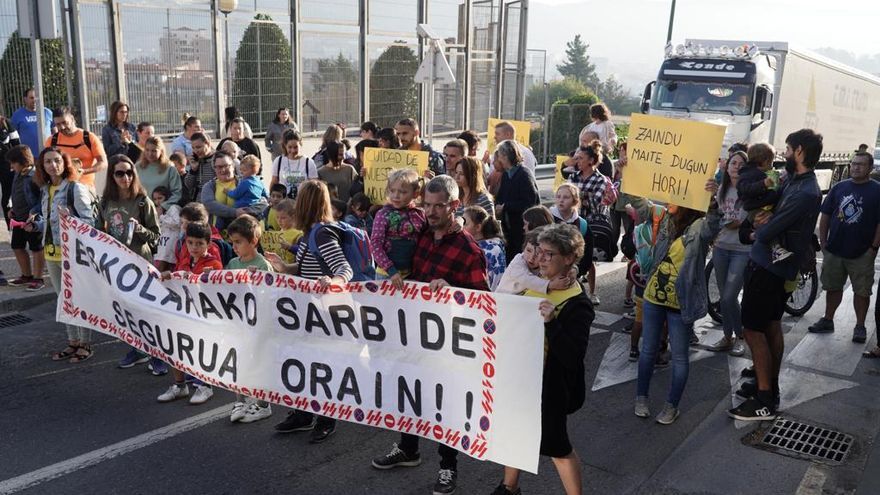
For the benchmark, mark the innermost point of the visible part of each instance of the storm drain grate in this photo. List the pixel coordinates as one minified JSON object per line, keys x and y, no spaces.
{"x":13,"y":320}
{"x":806,"y":440}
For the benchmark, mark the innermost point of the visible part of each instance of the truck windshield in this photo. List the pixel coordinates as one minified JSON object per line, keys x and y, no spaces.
{"x":698,"y":96}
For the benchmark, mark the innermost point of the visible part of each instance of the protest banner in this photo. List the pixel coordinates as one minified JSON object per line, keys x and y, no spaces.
{"x":379,"y":162}
{"x":456,"y":366}
{"x":271,"y":243}
{"x":558,"y":179}
{"x":670,"y":160}
{"x":523,"y":131}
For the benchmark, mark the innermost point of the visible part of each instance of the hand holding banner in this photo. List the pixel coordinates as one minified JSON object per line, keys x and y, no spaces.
{"x":670,"y":160}
{"x":379,"y":162}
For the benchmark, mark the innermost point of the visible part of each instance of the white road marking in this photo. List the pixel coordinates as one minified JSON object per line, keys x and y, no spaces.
{"x":72,"y":367}
{"x":813,"y":481}
{"x":604,"y":319}
{"x":98,"y":456}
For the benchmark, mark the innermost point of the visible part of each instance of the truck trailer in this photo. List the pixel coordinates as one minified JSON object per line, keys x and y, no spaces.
{"x":762,"y":91}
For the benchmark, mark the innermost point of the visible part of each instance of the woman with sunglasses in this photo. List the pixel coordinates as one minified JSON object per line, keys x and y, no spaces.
{"x":128,"y":215}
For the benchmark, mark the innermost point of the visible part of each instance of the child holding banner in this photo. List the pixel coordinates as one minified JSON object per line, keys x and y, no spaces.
{"x":284,"y":241}
{"x":397,"y":226}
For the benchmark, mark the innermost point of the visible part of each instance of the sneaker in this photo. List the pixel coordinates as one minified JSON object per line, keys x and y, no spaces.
{"x":723,"y":344}
{"x":322,"y":431}
{"x":36,"y":285}
{"x":631,"y":315}
{"x":397,"y":458}
{"x":157,"y":367}
{"x":20,"y":281}
{"x":779,"y":253}
{"x":238,"y":410}
{"x":633,"y":354}
{"x":627,"y":303}
{"x":174,"y":392}
{"x":296,"y":421}
{"x":132,"y":358}
{"x":739,"y":348}
{"x":628,"y":328}
{"x":668,"y":415}
{"x":822,"y":326}
{"x":641,"y":407}
{"x":201,"y":395}
{"x":593,"y":299}
{"x":747,"y":390}
{"x":445,"y":482}
{"x":255,"y":412}
{"x":860,"y":334}
{"x":501,"y":489}
{"x":748,"y":372}
{"x":752,"y":410}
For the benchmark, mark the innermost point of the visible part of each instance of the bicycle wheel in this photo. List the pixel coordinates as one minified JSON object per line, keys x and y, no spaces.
{"x":804,"y":294}
{"x":714,"y":295}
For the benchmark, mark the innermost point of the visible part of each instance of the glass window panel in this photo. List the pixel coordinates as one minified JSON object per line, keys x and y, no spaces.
{"x":449,"y":19}
{"x":394,"y":16}
{"x":393,"y":93}
{"x":449,"y":99}
{"x":261,"y":67}
{"x":486,"y":14}
{"x":483,"y":90}
{"x":344,"y":11}
{"x":330,"y":80}
{"x":168,"y":57}
{"x":100,"y":76}
{"x":534,"y":83}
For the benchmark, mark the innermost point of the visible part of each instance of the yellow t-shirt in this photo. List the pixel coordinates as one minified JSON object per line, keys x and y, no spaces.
{"x":558,"y":298}
{"x":220,"y":192}
{"x":272,"y":220}
{"x":660,"y":289}
{"x":52,"y":252}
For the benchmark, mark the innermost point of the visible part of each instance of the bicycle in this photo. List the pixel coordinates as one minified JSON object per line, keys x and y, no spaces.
{"x":800,"y":301}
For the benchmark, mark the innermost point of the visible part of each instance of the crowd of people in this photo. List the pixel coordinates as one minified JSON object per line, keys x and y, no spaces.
{"x":469,"y":221}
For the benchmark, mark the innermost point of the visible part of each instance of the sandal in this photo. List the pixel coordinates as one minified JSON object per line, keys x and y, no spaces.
{"x":82,"y":354}
{"x":872,"y":354}
{"x":67,"y":353}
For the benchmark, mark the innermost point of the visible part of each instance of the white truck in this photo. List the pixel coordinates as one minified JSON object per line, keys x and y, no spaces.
{"x":762,"y":91}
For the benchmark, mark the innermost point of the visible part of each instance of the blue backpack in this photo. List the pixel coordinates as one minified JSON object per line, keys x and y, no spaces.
{"x":356,"y":247}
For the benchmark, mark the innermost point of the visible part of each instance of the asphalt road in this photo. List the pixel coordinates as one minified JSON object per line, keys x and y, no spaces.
{"x":91,"y":428}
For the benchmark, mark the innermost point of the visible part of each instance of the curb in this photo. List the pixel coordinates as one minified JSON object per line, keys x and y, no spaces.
{"x":26,"y":300}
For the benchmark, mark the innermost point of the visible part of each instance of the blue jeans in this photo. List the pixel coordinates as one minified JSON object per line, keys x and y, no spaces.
{"x":729,"y":269}
{"x":653,"y":318}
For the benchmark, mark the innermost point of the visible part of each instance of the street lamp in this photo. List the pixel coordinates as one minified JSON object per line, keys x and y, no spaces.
{"x":227,"y":7}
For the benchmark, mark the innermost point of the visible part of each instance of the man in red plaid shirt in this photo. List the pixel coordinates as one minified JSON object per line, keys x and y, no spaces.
{"x":445,"y":255}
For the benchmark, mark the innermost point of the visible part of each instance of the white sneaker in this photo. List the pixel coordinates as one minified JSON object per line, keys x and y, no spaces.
{"x":779,"y":253}
{"x":595,"y":299}
{"x":173,"y":393}
{"x":201,"y":395}
{"x":738,"y":349}
{"x":238,"y":410}
{"x":255,"y":412}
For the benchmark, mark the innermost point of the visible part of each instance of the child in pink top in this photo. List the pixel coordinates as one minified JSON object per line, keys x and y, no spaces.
{"x":397,"y":226}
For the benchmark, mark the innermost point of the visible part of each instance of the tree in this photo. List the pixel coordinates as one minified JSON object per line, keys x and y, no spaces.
{"x":559,"y":89}
{"x":17,"y":75}
{"x":263,"y":72}
{"x":393,"y":92}
{"x":618,"y":99}
{"x":577,"y":63}
{"x":338,"y":70}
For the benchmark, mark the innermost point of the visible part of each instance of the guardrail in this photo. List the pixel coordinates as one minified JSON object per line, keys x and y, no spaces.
{"x":545,"y":171}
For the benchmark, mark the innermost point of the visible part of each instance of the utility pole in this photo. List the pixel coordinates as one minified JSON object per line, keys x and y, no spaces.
{"x":671,"y":21}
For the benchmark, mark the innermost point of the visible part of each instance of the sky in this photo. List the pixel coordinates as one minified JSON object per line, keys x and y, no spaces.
{"x":627,"y":37}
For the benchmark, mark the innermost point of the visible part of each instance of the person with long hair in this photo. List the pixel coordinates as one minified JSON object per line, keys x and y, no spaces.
{"x":292,"y":168}
{"x":335,"y":171}
{"x":154,"y":170}
{"x":333,"y":134}
{"x":675,"y":297}
{"x":486,"y":230}
{"x":567,"y":315}
{"x":238,"y":136}
{"x":128,"y":215}
{"x":62,"y":195}
{"x":328,"y":267}
{"x":230,"y":114}
{"x":601,"y":124}
{"x":592,"y":185}
{"x":730,"y":257}
{"x":282,"y":122}
{"x":566,"y":211}
{"x":388,"y":138}
{"x":517,"y":192}
{"x":119,"y":133}
{"x":468,"y":174}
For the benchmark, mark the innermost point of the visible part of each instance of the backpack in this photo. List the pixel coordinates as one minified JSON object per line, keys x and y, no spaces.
{"x":609,"y":197}
{"x":583,"y":226}
{"x":356,"y":247}
{"x":644,"y":238}
{"x":71,"y":202}
{"x":87,"y":141}
{"x":226,"y":252}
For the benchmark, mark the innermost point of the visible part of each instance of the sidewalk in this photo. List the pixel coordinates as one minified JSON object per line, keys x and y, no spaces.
{"x":16,"y":298}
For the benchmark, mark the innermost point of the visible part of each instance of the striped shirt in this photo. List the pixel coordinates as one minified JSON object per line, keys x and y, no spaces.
{"x":332,"y":260}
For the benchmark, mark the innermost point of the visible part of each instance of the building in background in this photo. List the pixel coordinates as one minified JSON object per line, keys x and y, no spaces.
{"x":328,"y":60}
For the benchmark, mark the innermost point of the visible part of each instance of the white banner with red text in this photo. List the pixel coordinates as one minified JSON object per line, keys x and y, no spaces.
{"x":455,"y":366}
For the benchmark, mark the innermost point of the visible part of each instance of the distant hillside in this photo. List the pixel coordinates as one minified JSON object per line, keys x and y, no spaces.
{"x":867,"y":63}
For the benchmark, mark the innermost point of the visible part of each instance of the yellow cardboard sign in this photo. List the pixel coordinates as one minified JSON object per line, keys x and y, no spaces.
{"x":558,"y":179}
{"x":271,"y":243}
{"x":523,"y":129}
{"x":379,"y":162}
{"x":670,"y":160}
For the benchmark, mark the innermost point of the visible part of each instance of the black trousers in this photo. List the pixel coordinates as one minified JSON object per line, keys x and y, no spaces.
{"x":409,"y":444}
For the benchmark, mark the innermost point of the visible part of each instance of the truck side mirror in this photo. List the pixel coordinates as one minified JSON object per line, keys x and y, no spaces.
{"x":646,"y":97}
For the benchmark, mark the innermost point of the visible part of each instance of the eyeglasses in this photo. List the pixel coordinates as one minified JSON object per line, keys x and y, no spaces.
{"x":123,"y":173}
{"x":544,"y":255}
